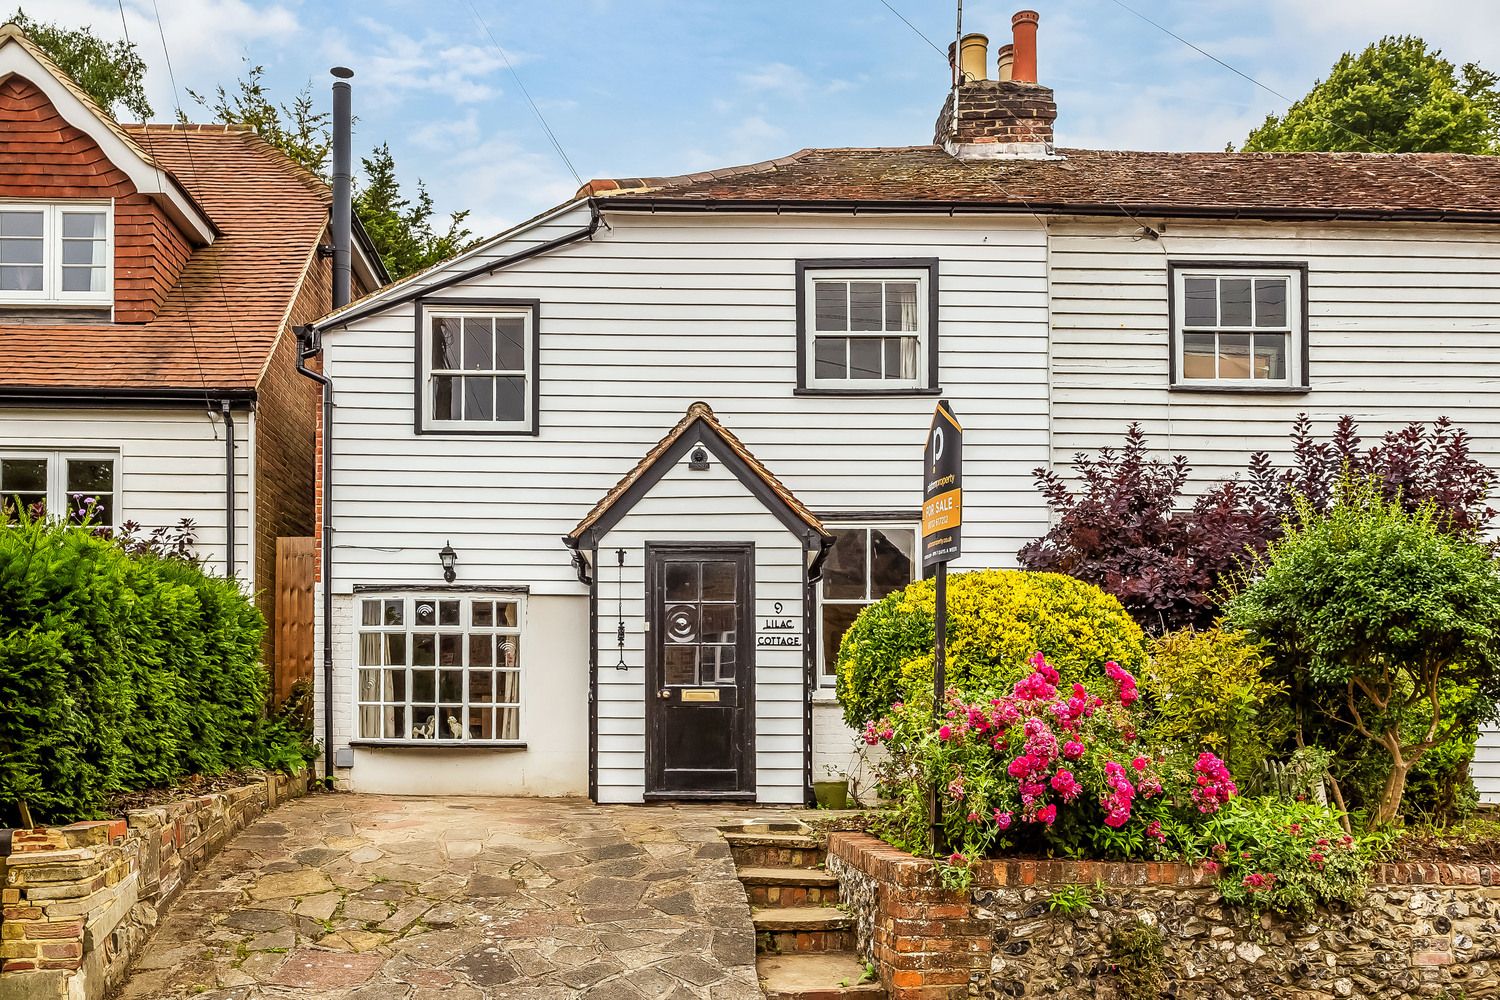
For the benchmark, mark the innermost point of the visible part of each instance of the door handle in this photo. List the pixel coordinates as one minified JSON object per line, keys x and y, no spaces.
{"x":664,"y":694}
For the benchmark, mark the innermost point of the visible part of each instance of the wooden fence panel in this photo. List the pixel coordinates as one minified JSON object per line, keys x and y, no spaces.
{"x":296,"y":573}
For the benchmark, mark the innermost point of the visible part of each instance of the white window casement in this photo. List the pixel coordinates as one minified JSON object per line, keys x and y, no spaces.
{"x":1239,"y":326}
{"x":56,"y":253}
{"x":476,"y":367}
{"x":84,"y":484}
{"x":439,"y":668}
{"x":867,"y":326}
{"x":867,"y":562}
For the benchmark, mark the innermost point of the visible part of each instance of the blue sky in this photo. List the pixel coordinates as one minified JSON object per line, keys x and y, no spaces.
{"x":670,"y":86}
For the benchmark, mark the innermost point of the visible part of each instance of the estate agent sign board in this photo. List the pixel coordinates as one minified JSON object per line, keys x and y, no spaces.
{"x":942,"y":493}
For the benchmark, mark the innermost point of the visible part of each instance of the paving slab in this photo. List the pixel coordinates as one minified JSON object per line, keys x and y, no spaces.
{"x":368,"y":897}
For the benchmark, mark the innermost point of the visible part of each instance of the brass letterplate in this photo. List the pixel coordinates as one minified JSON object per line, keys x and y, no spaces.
{"x":700,"y":694}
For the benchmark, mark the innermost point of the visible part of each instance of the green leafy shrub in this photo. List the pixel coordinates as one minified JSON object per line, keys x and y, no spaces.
{"x":1209,"y":689}
{"x":1140,"y":957}
{"x":1372,"y":609}
{"x":1271,"y":854}
{"x":996,"y":620}
{"x":120,"y":671}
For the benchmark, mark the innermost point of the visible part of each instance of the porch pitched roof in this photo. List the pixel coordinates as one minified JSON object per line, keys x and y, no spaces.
{"x":654,"y":464}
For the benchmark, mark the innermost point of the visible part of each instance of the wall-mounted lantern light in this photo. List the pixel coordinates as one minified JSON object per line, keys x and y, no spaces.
{"x":449,"y":559}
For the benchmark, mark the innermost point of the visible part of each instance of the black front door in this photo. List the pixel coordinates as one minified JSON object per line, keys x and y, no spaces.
{"x":700,"y":694}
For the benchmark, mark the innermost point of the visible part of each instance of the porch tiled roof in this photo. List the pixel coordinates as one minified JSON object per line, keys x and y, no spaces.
{"x":699,"y":412}
{"x":1085,"y":181}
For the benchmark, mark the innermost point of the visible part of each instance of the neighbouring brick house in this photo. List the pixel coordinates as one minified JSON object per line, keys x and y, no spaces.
{"x":150,"y":280}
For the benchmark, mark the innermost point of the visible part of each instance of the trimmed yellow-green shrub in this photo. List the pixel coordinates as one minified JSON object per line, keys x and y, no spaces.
{"x":996,"y":620}
{"x":1208,"y":690}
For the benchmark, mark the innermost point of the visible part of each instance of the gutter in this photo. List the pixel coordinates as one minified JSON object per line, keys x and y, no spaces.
{"x":75,"y":396}
{"x":647,"y":205}
{"x":307,"y":347}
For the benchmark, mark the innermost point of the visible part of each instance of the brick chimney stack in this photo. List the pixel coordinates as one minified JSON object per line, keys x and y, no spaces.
{"x":1008,"y":117}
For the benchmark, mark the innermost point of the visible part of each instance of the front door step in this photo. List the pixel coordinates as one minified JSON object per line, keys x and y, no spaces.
{"x":790,"y":886}
{"x":784,"y":930}
{"x":827,"y":976}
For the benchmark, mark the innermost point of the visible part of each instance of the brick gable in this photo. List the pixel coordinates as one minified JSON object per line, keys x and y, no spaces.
{"x":42,"y":156}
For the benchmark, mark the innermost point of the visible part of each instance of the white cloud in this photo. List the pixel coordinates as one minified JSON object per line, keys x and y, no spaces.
{"x":394,"y":63}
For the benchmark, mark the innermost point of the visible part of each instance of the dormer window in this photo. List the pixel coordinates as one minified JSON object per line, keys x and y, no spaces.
{"x":56,"y":253}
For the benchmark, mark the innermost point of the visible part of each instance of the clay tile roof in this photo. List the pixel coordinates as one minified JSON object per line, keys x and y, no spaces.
{"x":219,"y":323}
{"x":1422,"y":186}
{"x":699,"y":412}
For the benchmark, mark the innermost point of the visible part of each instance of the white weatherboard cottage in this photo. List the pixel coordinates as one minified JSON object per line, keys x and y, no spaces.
{"x":672,"y":430}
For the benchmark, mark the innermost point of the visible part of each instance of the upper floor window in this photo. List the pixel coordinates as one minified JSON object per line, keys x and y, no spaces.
{"x":82,"y":484}
{"x":1239,"y":325}
{"x":477,"y":368}
{"x":867,"y":326}
{"x":55,"y":254}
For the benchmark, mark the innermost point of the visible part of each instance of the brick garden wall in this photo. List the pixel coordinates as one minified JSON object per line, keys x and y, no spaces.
{"x":77,"y":902}
{"x":1422,"y":930}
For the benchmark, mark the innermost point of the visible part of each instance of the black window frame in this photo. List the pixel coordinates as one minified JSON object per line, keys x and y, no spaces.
{"x":932,"y":378}
{"x":1301,"y":385}
{"x":422,"y":423}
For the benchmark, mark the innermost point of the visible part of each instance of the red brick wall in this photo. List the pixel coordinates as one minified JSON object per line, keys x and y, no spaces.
{"x":286,"y":420}
{"x":44,"y":157}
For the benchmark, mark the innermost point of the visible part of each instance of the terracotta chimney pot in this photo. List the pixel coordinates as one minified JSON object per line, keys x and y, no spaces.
{"x":1023,"y":28}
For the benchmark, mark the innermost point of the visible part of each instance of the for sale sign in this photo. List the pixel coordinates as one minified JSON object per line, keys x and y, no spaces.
{"x":942,"y":493}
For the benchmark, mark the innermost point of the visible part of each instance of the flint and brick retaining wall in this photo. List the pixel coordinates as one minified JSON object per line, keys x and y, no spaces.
{"x":76,"y":902}
{"x":1422,"y":930}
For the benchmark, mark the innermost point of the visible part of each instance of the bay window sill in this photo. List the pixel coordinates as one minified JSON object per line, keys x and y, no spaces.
{"x":438,"y":744}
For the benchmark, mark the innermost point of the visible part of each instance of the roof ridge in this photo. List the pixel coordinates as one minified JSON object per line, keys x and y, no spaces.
{"x":608,"y":186}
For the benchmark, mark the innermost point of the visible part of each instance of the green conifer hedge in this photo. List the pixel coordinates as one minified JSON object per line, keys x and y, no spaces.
{"x":121,"y":671}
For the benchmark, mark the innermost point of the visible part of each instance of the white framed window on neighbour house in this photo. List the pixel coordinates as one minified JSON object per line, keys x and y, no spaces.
{"x":476,"y":367}
{"x":867,"y":327}
{"x":84,"y":484}
{"x":1239,"y":326}
{"x":56,"y":253}
{"x":867,"y":562}
{"x":439,"y":667}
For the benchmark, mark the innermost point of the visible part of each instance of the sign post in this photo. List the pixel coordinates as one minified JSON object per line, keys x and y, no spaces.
{"x":942,"y":527}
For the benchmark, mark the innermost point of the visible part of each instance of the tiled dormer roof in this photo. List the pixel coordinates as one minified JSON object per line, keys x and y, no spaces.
{"x":1408,"y":186}
{"x":218,"y":323}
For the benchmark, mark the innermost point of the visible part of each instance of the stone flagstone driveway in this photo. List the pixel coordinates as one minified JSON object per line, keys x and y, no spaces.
{"x":386,"y":898}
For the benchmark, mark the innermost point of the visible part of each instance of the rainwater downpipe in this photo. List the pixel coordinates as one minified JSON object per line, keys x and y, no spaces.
{"x":306,"y":348}
{"x":229,"y":511}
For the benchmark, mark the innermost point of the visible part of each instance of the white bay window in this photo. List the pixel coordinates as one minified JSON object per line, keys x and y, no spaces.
{"x":439,"y":668}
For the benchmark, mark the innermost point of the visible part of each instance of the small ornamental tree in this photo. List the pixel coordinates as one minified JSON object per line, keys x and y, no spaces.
{"x":1372,"y":609}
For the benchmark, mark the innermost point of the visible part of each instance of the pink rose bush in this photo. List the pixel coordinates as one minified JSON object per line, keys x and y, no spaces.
{"x":1044,"y":768}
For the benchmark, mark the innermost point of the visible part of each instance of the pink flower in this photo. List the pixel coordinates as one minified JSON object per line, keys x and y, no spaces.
{"x":1047,"y":814}
{"x":955,"y":858}
{"x":1072,"y":750}
{"x":1066,"y":785}
{"x":1295,"y":829}
{"x":1153,"y":830}
{"x":973,"y":817}
{"x":1215,"y":787}
{"x":945,"y":733}
{"x":1002,"y":819}
{"x":1139,"y":763}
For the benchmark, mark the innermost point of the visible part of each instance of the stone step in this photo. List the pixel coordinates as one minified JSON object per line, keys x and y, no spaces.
{"x":775,"y":850}
{"x":787,"y":930}
{"x":777,"y":886}
{"x":829,"y":975}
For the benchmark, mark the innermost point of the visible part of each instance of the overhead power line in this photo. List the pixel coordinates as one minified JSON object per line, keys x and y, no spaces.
{"x":551,"y":136}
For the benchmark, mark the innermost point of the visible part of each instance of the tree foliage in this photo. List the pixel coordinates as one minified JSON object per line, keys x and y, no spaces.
{"x":113,"y":73}
{"x":1122,"y":521}
{"x":298,"y":129}
{"x":401,"y":228}
{"x":1379,"y":607}
{"x":1397,"y":96}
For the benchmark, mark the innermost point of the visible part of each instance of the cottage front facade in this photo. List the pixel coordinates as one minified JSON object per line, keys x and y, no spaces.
{"x":606,"y":490}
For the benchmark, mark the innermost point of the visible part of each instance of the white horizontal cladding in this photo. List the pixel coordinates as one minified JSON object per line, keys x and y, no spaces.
{"x":1485,"y":768}
{"x":709,"y":507}
{"x":654,"y":313}
{"x":553,"y":714}
{"x":170,"y":466}
{"x":1403,"y":325}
